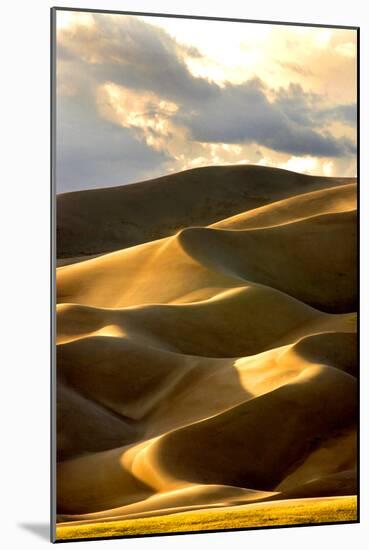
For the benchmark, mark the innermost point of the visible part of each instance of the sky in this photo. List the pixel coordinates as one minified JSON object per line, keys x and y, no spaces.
{"x":141,"y":97}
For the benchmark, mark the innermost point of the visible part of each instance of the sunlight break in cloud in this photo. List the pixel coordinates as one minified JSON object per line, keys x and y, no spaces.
{"x":151,"y":119}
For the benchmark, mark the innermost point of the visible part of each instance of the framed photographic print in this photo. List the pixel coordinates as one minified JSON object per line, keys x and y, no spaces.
{"x":204,"y":354}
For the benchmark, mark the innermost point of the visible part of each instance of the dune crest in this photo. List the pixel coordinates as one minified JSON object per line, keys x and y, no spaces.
{"x":153,"y":209}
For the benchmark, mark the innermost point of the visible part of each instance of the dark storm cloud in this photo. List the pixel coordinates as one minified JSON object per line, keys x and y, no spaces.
{"x":299,"y":106}
{"x":243,"y":114}
{"x":346,"y":114}
{"x":306,"y":108}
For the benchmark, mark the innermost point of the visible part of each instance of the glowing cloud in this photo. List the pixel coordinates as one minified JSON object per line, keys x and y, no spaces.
{"x":177,"y":96}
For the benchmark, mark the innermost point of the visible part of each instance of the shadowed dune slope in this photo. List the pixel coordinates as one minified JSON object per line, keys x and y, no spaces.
{"x":206,"y":366}
{"x":132,"y":214}
{"x":303,"y":411}
{"x":85,"y":426}
{"x":187,"y":498}
{"x":197,"y":497}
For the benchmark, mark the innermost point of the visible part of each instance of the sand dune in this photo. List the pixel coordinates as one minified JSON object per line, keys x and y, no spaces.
{"x":296,"y":208}
{"x":199,"y":262}
{"x":239,"y":322}
{"x":179,"y":500}
{"x":132,"y":214}
{"x":85,"y":426}
{"x":204,"y":452}
{"x":210,"y":497}
{"x":258,"y":432}
{"x":203,"y":366}
{"x":171,"y":389}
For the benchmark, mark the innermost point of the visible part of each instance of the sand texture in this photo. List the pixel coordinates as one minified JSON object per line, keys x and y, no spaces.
{"x":206,"y":353}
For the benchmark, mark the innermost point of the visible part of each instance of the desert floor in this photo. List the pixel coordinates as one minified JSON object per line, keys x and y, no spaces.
{"x":206,"y":353}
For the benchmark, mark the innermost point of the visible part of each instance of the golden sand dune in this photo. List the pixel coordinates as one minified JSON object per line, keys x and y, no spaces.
{"x":191,"y":497}
{"x":204,"y":452}
{"x":132,"y":214}
{"x":212,"y":497}
{"x":210,"y":366}
{"x":239,"y":322}
{"x":315,"y":203}
{"x":257,"y":432}
{"x":199,"y":262}
{"x":152,"y":385}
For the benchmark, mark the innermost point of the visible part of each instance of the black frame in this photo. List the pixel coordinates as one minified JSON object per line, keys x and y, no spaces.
{"x":53,"y":12}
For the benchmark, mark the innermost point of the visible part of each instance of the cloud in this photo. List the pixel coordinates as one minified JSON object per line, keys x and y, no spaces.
{"x":244,"y":114}
{"x":129,"y":108}
{"x":153,"y":121}
{"x":295,"y":67}
{"x":93,"y":152}
{"x":310,"y":108}
{"x":347,"y":114}
{"x":134,"y":54}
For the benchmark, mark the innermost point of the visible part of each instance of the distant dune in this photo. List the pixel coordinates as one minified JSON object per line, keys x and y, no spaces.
{"x":209,"y":361}
{"x":142,"y":212}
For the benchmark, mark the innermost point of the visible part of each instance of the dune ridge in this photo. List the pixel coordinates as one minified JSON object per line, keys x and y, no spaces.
{"x":209,"y":360}
{"x":133,"y":214}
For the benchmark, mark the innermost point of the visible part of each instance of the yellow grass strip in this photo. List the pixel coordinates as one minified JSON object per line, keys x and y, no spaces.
{"x":288,"y":512}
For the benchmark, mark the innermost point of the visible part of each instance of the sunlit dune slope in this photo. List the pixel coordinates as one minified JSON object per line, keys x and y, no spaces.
{"x":255,"y":444}
{"x":302,"y":412}
{"x":238,"y":322}
{"x":132,"y":214}
{"x":299,"y":207}
{"x":213,"y":365}
{"x":160,"y":396}
{"x":300,"y":258}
